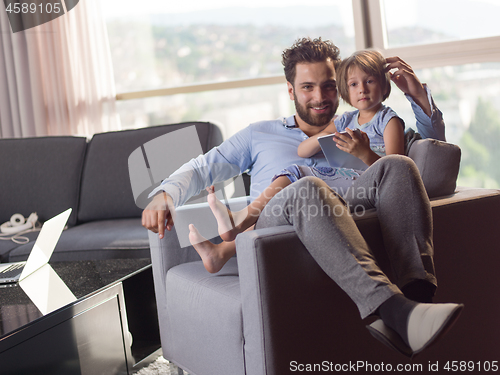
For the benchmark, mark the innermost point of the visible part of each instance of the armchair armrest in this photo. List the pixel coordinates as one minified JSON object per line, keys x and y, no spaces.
{"x":286,"y":300}
{"x":172,"y":250}
{"x":175,"y":248}
{"x":201,"y":216}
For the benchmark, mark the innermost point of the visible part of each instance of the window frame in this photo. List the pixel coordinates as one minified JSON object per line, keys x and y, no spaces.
{"x":370,"y":33}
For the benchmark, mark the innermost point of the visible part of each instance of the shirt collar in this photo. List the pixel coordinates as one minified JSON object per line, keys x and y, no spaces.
{"x":289,"y":122}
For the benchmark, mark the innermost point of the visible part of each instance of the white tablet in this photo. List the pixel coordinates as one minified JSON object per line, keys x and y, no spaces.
{"x":338,"y":158}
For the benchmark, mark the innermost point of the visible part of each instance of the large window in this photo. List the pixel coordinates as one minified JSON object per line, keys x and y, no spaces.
{"x":453,"y":46}
{"x":220,"y":61}
{"x":431,"y":21}
{"x":215,"y":41}
{"x":198,"y":42}
{"x":468,"y":95}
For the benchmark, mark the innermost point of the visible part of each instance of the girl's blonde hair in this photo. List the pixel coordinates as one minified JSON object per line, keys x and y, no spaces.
{"x":369,"y":61}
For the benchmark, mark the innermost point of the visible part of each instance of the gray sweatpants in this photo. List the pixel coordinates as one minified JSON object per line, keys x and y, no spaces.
{"x":323,"y":222}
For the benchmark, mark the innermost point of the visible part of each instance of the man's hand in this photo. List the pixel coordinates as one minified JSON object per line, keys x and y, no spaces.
{"x":408,"y":82}
{"x":158,"y":215}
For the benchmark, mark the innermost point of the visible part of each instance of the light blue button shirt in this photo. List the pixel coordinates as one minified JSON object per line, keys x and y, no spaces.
{"x":428,"y":127}
{"x":263,"y":149}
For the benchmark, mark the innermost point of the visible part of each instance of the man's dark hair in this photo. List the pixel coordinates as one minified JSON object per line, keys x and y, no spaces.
{"x":307,"y":50}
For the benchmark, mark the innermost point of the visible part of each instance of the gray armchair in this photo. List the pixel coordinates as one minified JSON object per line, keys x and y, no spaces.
{"x":272,"y":310}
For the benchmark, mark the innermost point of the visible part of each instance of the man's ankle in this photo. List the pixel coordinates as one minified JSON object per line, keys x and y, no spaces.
{"x":395,"y":312}
{"x":419,"y":291}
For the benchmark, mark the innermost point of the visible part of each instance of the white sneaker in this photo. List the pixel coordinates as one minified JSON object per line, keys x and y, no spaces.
{"x":429,"y":321}
{"x":426,"y":323}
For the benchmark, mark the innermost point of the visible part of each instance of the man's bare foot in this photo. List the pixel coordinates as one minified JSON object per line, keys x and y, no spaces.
{"x":226,"y":219}
{"x":213,"y":256}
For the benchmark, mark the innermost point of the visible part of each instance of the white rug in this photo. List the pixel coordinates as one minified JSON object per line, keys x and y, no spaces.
{"x":159,"y":367}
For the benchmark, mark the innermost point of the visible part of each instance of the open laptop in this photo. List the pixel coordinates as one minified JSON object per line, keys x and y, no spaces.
{"x":41,"y":252}
{"x":338,"y":158}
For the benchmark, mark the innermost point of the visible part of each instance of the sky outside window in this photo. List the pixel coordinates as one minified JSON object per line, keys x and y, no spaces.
{"x":164,"y":44}
{"x":413,"y":22}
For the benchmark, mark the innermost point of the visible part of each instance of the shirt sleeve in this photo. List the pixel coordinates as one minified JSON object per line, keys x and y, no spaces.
{"x":387,"y":114}
{"x":341,"y":122}
{"x":219,"y":164}
{"x":428,"y":127}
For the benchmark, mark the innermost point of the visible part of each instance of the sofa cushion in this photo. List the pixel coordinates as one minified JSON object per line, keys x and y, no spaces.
{"x":7,"y":245}
{"x":107,"y":239}
{"x":106,"y":192}
{"x":214,"y":343}
{"x":41,"y":175}
{"x":438,"y":163}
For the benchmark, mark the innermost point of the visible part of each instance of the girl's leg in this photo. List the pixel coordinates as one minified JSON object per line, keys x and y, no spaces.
{"x":214,"y":256}
{"x":232,"y":223}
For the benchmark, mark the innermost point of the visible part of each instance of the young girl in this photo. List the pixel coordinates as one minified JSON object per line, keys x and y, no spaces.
{"x":371,"y":131}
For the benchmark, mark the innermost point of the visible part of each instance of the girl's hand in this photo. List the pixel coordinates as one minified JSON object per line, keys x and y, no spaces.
{"x":354,"y":142}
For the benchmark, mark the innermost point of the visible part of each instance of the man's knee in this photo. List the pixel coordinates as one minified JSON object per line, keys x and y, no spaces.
{"x":309,"y":182}
{"x":310,"y":188}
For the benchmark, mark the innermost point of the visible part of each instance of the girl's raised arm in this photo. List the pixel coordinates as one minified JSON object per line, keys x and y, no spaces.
{"x":394,"y":137}
{"x":310,"y":146}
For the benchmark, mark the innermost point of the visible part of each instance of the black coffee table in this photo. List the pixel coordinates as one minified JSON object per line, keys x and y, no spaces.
{"x":111,"y":327}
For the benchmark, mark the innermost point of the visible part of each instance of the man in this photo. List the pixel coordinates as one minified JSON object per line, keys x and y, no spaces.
{"x":392,"y":185}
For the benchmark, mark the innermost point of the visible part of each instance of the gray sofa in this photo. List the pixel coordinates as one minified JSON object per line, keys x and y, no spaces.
{"x":272,"y":310}
{"x":48,"y":175}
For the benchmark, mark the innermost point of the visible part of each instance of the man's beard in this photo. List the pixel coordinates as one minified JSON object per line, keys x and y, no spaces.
{"x":312,"y":118}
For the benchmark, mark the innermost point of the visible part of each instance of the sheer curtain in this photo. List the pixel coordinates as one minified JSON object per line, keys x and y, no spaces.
{"x":57,"y":78}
